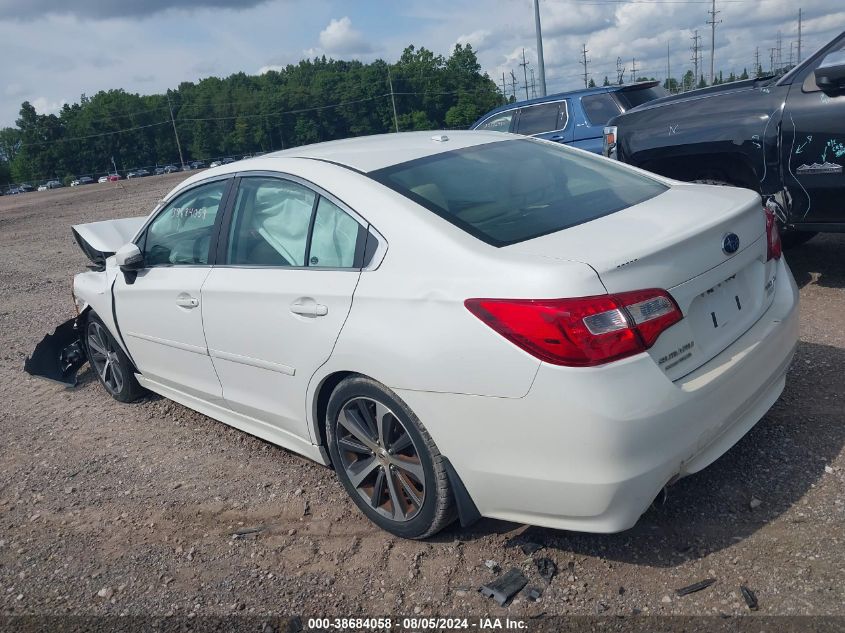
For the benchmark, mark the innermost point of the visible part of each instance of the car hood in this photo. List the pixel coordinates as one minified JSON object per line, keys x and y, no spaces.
{"x":99,"y":240}
{"x":710,"y":91}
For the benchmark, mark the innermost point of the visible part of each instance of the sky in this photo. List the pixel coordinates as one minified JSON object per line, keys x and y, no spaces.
{"x":54,"y":50}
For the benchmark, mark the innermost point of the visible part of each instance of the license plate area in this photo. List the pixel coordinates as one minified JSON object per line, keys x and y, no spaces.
{"x":723,"y":303}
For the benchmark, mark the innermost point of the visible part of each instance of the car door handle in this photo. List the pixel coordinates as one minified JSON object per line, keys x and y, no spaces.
{"x":185,"y":300}
{"x":556,"y":137}
{"x":309,"y":308}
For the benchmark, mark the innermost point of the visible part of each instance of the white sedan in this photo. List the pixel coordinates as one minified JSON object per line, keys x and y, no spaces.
{"x":462,"y":324}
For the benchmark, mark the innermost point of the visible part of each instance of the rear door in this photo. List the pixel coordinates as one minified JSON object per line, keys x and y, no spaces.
{"x":274,"y":305}
{"x":500,"y":122}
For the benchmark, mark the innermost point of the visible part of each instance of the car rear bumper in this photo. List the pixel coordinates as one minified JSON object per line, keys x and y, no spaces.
{"x":588,"y":449}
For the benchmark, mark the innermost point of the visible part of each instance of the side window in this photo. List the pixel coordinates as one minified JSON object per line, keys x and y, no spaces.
{"x":181,"y":232}
{"x":335,"y":237}
{"x":540,"y":118}
{"x":270,"y":225}
{"x":600,"y":108}
{"x":836,"y":55}
{"x":498,"y":123}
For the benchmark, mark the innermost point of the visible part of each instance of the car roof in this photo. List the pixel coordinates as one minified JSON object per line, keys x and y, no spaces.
{"x":558,"y":96}
{"x":370,"y":153}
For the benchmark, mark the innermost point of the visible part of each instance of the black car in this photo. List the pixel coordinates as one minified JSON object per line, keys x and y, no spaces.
{"x":138,"y":173}
{"x":158,"y":171}
{"x":781,"y":136}
{"x":171,"y":169}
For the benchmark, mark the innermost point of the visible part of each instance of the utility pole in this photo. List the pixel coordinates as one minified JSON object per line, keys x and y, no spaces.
{"x":620,"y":71}
{"x":791,"y":46}
{"x":540,"y":65}
{"x":668,"y":70}
{"x":584,"y":62}
{"x":758,"y":70}
{"x":713,"y":22}
{"x":524,"y":65}
{"x":799,"y":37}
{"x":175,"y":133}
{"x":633,"y":70}
{"x":772,"y":60}
{"x":696,"y":56}
{"x":513,"y":85}
{"x":504,"y":91}
{"x":779,"y":57}
{"x":533,"y":88}
{"x":392,"y":99}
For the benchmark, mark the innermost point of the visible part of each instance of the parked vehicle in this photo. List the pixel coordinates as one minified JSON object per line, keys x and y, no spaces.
{"x":19,"y":189}
{"x":782,"y":137}
{"x":574,"y":118}
{"x":82,"y":180}
{"x":158,"y":171}
{"x":216,"y":163}
{"x":137,"y":173}
{"x":54,"y":184}
{"x":171,"y":169}
{"x":197,"y":164}
{"x":571,"y":345}
{"x":114,"y":177}
{"x":102,"y":179}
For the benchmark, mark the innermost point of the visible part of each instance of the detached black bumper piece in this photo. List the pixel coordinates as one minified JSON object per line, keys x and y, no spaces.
{"x":59,"y":355}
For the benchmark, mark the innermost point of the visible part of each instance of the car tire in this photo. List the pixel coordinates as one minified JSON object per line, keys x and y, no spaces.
{"x":387,"y":461}
{"x":110,"y":363}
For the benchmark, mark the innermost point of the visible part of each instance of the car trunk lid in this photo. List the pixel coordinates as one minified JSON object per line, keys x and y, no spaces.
{"x":675,"y":242}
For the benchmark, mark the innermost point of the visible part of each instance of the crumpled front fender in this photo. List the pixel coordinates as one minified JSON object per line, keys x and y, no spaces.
{"x":59,"y":355}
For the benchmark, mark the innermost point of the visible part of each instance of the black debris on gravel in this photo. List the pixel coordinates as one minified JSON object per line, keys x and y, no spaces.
{"x":547,"y":568}
{"x":749,"y":596}
{"x":505,"y":587}
{"x":698,"y":586}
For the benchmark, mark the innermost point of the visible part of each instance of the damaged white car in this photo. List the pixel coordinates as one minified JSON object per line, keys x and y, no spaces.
{"x":465,"y":324}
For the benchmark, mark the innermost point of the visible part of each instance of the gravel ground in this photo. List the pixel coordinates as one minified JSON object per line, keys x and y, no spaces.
{"x":108,"y":508}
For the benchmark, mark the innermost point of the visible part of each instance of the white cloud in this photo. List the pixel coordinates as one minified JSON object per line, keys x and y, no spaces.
{"x":340,"y":38}
{"x":480,"y":39}
{"x":43,"y":105}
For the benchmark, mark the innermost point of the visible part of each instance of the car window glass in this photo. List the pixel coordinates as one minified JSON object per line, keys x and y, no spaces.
{"x":498,"y":123}
{"x":600,"y":108}
{"x":334,"y":238}
{"x":539,"y":118}
{"x":810,"y":84}
{"x":270,"y":225}
{"x":516,"y":190}
{"x":181,"y":233}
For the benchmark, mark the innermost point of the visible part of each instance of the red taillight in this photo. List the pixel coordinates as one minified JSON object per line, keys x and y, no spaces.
{"x":774,"y":248}
{"x":581,"y":332}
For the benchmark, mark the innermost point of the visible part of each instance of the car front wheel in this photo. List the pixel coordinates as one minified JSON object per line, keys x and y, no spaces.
{"x":387,"y":461}
{"x":111,"y":364}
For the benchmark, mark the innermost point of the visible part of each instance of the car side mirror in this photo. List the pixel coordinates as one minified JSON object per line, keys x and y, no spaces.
{"x":830,"y":75}
{"x":130,"y":260}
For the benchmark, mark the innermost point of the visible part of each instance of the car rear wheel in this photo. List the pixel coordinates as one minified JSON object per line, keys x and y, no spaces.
{"x":387,"y":461}
{"x":111,"y":364}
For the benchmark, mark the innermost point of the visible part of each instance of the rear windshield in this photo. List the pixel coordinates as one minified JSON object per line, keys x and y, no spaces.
{"x":511,"y":191}
{"x":633,"y":98}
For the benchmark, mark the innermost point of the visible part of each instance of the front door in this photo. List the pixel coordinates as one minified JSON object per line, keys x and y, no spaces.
{"x":160,"y":312}
{"x":274,"y":305}
{"x":813,"y":148}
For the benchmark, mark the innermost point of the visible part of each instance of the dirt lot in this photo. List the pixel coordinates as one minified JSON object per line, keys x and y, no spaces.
{"x":112,"y":508}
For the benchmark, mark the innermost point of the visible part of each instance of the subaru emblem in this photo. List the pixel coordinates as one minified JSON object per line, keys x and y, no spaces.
{"x":730,"y":243}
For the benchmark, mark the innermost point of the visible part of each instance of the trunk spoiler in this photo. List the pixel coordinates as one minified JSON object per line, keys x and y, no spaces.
{"x":100,"y":240}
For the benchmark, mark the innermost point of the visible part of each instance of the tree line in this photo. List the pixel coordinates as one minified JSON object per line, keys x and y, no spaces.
{"x":315,"y":100}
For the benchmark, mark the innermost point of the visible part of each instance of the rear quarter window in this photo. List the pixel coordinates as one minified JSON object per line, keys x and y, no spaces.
{"x":511,"y":191}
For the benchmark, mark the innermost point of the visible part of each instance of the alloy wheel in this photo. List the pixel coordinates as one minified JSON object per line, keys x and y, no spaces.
{"x":104,"y":357}
{"x":380,"y":459}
